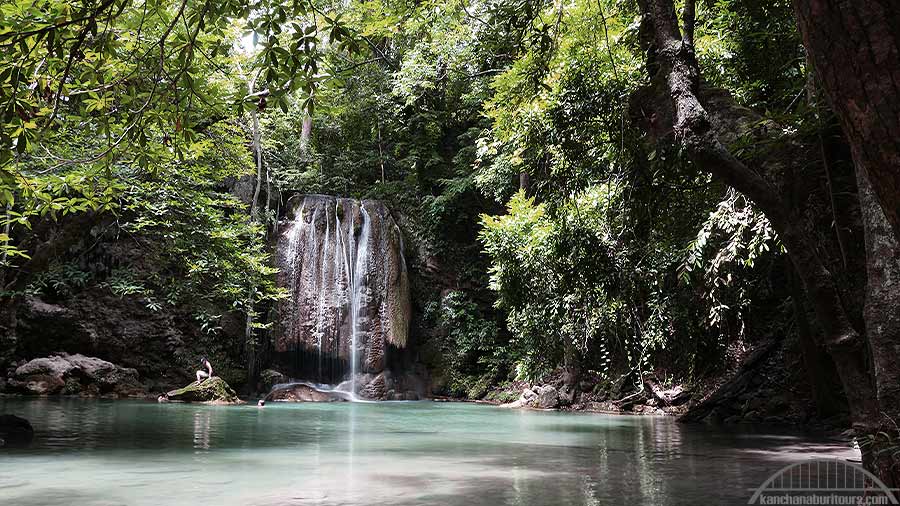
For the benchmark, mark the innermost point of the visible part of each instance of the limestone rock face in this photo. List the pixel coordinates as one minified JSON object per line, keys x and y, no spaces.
{"x":375,"y":389}
{"x":388,"y":386}
{"x":96,"y":323}
{"x":74,"y":375}
{"x":342,"y":262}
{"x":211,"y":391}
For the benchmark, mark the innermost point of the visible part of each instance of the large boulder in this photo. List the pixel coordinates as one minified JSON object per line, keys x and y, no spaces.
{"x":74,"y":375}
{"x":106,"y":375}
{"x":302,"y":392}
{"x":547,"y":398}
{"x":41,"y":376}
{"x":211,"y":391}
{"x":15,"y":431}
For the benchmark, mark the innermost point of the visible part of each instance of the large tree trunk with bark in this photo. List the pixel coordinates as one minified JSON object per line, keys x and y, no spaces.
{"x":854,"y":47}
{"x":675,"y":108}
{"x":882,"y":315}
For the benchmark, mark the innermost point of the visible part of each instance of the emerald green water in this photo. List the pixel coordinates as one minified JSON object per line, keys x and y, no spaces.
{"x":92,"y":453}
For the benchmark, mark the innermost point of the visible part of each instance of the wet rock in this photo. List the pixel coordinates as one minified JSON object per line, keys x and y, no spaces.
{"x":212,"y":391}
{"x":301,"y":392}
{"x":74,"y":375}
{"x":375,"y":389}
{"x":15,"y":431}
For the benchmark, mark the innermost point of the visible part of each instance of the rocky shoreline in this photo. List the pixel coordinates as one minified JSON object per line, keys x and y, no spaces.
{"x":762,"y":388}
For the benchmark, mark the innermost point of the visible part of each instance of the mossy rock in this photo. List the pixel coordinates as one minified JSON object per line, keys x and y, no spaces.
{"x":212,"y":391}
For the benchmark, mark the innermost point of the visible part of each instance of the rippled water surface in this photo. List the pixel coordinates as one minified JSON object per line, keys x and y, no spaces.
{"x":91,"y":453}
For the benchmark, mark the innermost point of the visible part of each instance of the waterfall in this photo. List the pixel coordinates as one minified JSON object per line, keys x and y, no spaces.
{"x":342,"y":264}
{"x":293,"y":244}
{"x":357,"y":293}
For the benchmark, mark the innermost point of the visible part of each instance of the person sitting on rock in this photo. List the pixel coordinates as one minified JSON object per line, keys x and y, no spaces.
{"x":203,"y":375}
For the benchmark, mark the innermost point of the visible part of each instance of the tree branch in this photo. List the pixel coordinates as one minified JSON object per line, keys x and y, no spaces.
{"x":678,"y":72}
{"x":690,"y":15}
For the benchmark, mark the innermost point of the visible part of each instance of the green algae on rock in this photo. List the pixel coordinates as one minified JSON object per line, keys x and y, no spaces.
{"x":212,"y":391}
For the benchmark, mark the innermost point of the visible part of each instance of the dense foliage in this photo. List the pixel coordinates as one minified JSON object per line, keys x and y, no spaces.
{"x":501,"y":131}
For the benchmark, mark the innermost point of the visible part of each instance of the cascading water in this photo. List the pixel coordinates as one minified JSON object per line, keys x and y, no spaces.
{"x":357,"y":294}
{"x":343,"y":264}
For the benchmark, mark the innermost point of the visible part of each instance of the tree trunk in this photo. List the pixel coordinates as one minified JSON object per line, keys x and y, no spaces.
{"x":249,"y":340}
{"x":675,"y":77}
{"x":306,"y":130}
{"x":380,"y":151}
{"x":854,"y":47}
{"x":882,"y":314}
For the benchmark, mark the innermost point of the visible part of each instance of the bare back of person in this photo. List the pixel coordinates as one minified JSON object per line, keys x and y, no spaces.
{"x":204,"y":375}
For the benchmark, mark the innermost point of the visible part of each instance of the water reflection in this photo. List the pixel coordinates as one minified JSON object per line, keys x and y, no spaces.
{"x":201,"y":430}
{"x":407,"y":454}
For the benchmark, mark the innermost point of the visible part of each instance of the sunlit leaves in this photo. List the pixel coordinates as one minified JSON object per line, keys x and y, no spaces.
{"x":733,"y":238}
